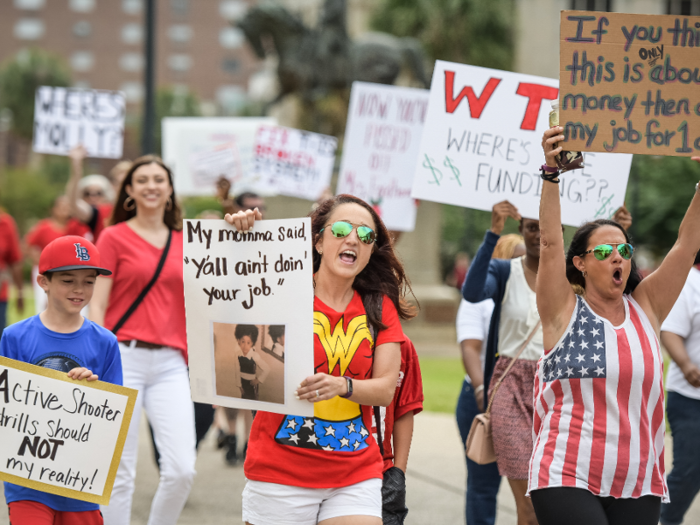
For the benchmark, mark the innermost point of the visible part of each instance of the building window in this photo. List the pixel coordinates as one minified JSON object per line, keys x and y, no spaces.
{"x":683,"y":7}
{"x":591,"y":5}
{"x":131,"y":62}
{"x":132,"y":33}
{"x":133,"y":91}
{"x":82,"y":6}
{"x":180,"y":7}
{"x":230,"y":66}
{"x":30,"y":5}
{"x":82,"y":61}
{"x":180,"y":63}
{"x":29,"y":29}
{"x":231,"y":99}
{"x":82,"y":29}
{"x":132,"y":7}
{"x":232,"y":9}
{"x":180,"y":33}
{"x":231,"y":38}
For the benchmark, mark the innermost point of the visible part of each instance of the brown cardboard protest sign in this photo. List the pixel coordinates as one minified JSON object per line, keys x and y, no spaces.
{"x":630,"y":83}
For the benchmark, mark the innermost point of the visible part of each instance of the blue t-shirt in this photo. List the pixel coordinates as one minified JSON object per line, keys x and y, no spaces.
{"x":92,"y":347}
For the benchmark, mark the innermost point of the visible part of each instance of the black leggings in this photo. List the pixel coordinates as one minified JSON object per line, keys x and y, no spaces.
{"x":572,"y":506}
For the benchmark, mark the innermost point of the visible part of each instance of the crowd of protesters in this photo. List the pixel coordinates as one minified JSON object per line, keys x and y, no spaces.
{"x":569,"y":366}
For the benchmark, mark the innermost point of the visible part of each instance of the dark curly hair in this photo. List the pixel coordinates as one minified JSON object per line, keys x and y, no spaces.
{"x":579,"y":244}
{"x":384,"y":273}
{"x":247,"y":329}
{"x":276,"y":331}
{"x":171,"y":217}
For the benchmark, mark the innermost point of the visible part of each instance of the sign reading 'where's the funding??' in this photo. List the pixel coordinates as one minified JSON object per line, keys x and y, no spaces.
{"x":61,"y":436}
{"x":66,"y":117}
{"x":630,"y":83}
{"x":482,"y":144}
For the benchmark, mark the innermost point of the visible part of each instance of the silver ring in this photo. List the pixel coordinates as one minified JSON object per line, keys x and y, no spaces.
{"x":317,"y":395}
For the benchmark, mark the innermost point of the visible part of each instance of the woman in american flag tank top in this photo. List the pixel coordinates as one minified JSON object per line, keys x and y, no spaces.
{"x":599,"y":424}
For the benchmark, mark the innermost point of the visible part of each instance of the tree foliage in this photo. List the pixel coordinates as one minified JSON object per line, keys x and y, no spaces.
{"x":658,"y":196}
{"x":477,"y":32}
{"x":19,"y":79}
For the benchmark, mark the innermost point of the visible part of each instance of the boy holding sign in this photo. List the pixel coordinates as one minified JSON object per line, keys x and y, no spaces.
{"x":61,"y":339}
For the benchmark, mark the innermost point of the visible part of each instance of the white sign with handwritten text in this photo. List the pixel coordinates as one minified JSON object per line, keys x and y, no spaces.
{"x":61,"y":436}
{"x":66,"y":117}
{"x":383,"y":133}
{"x":294,"y":162}
{"x":249,"y":302}
{"x":482,"y":144}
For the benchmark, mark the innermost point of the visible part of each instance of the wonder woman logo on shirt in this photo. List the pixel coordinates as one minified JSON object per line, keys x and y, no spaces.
{"x":340,"y":345}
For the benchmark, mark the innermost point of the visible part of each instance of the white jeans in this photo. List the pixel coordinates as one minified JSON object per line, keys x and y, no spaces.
{"x":162,"y":380}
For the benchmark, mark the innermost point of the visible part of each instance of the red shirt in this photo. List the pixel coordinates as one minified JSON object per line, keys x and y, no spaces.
{"x":335,"y":447}
{"x":407,"y":398}
{"x":160,"y":318}
{"x":46,"y":231}
{"x":9,"y":248}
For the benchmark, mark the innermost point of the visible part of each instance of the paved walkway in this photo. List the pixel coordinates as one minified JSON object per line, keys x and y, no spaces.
{"x":435,"y":480}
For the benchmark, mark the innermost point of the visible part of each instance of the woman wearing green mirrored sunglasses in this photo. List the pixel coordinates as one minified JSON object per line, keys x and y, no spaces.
{"x":359,"y":286}
{"x":602,"y":372}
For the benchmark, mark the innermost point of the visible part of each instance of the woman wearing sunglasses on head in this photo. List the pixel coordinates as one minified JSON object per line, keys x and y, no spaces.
{"x":328,"y":469}
{"x":599,"y":401}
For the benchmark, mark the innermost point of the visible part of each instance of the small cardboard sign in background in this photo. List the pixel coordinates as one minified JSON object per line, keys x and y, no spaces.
{"x":66,"y":117}
{"x":380,"y":150}
{"x":293,"y":162}
{"x":200,"y":150}
{"x":61,"y":436}
{"x":259,"y":279}
{"x":630,"y":83}
{"x":482,"y":144}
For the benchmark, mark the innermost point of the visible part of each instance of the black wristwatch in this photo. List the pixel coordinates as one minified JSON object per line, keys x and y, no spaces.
{"x":348,"y":381}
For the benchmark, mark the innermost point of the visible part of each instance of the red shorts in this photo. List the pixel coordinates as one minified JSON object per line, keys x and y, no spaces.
{"x":34,"y":513}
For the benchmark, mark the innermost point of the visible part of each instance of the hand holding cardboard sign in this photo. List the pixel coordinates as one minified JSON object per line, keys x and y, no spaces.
{"x":81,"y":373}
{"x":500,"y":213}
{"x":549,"y":144}
{"x":244,"y":219}
{"x":320,"y":387}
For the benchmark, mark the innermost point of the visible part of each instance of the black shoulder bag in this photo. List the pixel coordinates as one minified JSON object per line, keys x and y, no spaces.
{"x":148,"y":287}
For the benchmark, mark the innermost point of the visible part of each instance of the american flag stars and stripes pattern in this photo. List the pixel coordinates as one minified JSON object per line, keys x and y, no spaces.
{"x":599,"y":408}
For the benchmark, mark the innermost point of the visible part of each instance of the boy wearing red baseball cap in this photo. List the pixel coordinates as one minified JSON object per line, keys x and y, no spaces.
{"x":60,"y":338}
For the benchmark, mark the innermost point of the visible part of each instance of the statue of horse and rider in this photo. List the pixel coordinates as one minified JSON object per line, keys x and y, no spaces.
{"x":313,"y":61}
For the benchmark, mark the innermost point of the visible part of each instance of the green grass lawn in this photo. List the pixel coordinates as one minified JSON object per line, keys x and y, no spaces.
{"x":442,"y":381}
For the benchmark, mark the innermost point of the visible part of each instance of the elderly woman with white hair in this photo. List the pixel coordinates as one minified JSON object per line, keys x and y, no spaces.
{"x":91,"y":197}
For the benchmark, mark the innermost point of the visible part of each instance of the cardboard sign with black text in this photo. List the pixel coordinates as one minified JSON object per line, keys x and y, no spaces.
{"x":630,"y":83}
{"x":59,"y":435}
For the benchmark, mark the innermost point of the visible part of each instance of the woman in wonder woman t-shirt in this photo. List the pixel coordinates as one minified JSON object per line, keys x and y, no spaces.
{"x":309,"y":470}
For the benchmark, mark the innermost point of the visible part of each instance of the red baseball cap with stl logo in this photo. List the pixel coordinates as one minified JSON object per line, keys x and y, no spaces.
{"x":71,"y":253}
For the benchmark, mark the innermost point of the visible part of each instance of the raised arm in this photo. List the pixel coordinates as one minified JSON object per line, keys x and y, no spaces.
{"x":80,"y":209}
{"x":658,"y":292}
{"x":555,"y":298}
{"x":481,"y":282}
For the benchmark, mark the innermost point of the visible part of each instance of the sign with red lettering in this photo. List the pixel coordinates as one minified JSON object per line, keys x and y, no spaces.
{"x":481,"y":144}
{"x":383,"y":133}
{"x":294,"y":162}
{"x":629,"y":83}
{"x":61,"y":436}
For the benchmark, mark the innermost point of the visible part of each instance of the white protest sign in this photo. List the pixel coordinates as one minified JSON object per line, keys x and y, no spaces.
{"x":249,"y":302}
{"x":200,"y":150}
{"x":294,"y":162}
{"x":382,"y":137}
{"x":482,"y":144}
{"x":61,"y":436}
{"x":66,"y":117}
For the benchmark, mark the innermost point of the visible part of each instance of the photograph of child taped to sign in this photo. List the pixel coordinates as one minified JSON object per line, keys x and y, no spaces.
{"x":249,"y":361}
